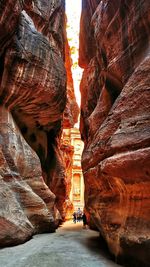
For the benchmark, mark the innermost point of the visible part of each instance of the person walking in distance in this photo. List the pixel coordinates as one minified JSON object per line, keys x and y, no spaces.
{"x":74,"y":217}
{"x":84,"y":221}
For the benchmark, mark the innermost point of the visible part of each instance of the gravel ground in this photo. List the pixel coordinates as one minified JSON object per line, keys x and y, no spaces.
{"x":70,"y":246}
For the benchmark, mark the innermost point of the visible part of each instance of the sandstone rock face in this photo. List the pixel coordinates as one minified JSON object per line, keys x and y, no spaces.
{"x":87,"y":42}
{"x":71,"y":114}
{"x":68,"y":152}
{"x":115,"y":119}
{"x":33,"y":90}
{"x":27,"y":204}
{"x":9,"y":14}
{"x":61,"y":175}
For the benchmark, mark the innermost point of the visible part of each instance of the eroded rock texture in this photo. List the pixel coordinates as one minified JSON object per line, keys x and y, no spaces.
{"x":27,"y":204}
{"x":71,"y":114}
{"x":68,"y":152}
{"x":115,"y":124}
{"x":33,"y":90}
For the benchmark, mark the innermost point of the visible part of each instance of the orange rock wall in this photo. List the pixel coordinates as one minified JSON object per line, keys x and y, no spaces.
{"x":71,"y":114}
{"x":27,"y":204}
{"x":115,"y":119}
{"x":68,"y":152}
{"x":32,"y":102}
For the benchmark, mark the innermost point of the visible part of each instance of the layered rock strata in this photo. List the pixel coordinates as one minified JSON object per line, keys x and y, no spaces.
{"x":27,"y":204}
{"x":115,"y":119}
{"x":32,"y":102}
{"x":68,"y":152}
{"x":71,"y":112}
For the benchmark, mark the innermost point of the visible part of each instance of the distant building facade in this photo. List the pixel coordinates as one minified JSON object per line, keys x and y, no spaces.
{"x":72,"y":137}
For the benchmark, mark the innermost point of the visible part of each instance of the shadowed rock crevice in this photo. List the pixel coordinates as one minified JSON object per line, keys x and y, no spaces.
{"x":2,"y":58}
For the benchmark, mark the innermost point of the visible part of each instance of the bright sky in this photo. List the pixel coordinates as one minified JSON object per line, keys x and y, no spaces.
{"x":73,"y":12}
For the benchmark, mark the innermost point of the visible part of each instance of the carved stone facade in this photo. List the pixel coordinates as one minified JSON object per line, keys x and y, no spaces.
{"x":72,"y":138}
{"x":77,"y":189}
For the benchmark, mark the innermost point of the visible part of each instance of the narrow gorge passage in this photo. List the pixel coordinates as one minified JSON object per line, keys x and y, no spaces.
{"x":41,"y":176}
{"x":70,"y":246}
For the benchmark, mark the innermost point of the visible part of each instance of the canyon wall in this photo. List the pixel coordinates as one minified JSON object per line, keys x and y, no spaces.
{"x":32,"y":102}
{"x":68,"y":152}
{"x":71,"y":114}
{"x":26,"y":202}
{"x":115,"y":123}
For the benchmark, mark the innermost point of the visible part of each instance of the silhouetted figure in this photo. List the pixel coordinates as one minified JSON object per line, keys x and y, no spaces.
{"x":79,"y":215}
{"x":74,"y":217}
{"x":84,"y":221}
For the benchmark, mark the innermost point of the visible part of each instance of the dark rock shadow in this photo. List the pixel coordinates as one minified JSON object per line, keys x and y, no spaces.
{"x":98,"y":246}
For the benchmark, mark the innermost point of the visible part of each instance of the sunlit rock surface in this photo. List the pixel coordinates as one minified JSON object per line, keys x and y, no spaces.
{"x":115,"y":124}
{"x":33,"y":90}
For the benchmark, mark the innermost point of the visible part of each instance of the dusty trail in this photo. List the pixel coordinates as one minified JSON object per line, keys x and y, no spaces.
{"x":70,"y":246}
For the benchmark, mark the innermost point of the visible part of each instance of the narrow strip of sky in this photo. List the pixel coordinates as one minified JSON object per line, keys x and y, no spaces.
{"x":73,"y":12}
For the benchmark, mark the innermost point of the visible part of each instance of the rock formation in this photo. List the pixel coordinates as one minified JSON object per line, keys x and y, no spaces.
{"x":71,"y":114}
{"x":32,"y":102}
{"x":68,"y":152}
{"x":115,"y":119}
{"x":27,"y":204}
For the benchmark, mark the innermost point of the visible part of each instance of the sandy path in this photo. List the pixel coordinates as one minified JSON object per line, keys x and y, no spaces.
{"x":70,"y":246}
